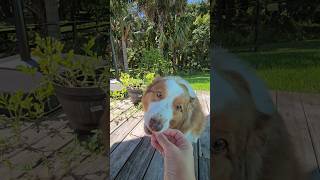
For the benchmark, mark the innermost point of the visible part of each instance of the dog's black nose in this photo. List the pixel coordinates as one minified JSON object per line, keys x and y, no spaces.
{"x":155,"y":124}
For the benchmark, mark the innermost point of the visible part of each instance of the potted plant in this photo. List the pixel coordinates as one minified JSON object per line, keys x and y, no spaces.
{"x":80,"y":82}
{"x":136,"y":86}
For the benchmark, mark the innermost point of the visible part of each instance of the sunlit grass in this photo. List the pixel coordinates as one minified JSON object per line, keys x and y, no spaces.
{"x":290,"y":67}
{"x":199,"y":81}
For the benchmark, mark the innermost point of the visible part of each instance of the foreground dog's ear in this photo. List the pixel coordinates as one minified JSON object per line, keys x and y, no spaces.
{"x":227,"y":62}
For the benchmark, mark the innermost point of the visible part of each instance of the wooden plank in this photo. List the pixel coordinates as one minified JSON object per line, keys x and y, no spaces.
{"x":7,"y":132}
{"x":32,"y":136}
{"x":58,"y":169}
{"x":122,"y":106}
{"x":120,"y":156}
{"x":121,"y":132}
{"x":48,"y":146}
{"x":136,"y":165}
{"x":94,"y":168}
{"x":155,"y":170}
{"x":138,"y":131}
{"x":204,"y":145}
{"x":290,"y":107}
{"x":123,"y":151}
{"x":133,"y":113}
{"x":196,"y":159}
{"x":204,"y":142}
{"x":204,"y":168}
{"x":311,"y":106}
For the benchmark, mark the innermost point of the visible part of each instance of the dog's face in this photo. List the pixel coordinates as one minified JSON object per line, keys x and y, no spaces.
{"x":237,"y":125}
{"x":168,"y":103}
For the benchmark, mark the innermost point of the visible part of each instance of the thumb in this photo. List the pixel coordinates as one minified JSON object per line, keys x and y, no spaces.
{"x":163,"y":141}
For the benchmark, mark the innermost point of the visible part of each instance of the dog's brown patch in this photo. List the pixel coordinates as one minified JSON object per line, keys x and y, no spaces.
{"x":154,"y":92}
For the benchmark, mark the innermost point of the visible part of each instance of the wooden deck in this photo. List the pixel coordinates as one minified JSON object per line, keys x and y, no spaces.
{"x":49,"y":153}
{"x":131,"y":154}
{"x":301,"y":113}
{"x":133,"y":157}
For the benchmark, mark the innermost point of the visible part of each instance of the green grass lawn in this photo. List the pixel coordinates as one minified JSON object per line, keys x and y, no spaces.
{"x":288,"y":66}
{"x":199,"y":81}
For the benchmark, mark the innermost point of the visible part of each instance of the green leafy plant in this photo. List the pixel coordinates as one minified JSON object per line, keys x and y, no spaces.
{"x":130,"y":82}
{"x":137,"y":83}
{"x":68,"y":69}
{"x":93,"y":143}
{"x":118,"y":94}
{"x":21,"y":106}
{"x":148,"y":78}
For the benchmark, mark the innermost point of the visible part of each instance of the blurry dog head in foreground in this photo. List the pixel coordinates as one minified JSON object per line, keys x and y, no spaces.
{"x":171,"y":102}
{"x":249,"y":140}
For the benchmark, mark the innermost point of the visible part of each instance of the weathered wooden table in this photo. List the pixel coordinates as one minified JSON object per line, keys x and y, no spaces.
{"x":133,"y":157}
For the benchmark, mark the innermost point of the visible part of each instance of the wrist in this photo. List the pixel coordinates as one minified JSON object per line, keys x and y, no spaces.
{"x":183,"y":170}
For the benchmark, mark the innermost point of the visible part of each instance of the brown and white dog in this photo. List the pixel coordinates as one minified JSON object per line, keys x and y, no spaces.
{"x":170,"y":102}
{"x":249,"y":139}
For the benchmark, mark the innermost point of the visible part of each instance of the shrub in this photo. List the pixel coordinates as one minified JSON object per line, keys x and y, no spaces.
{"x":153,"y":61}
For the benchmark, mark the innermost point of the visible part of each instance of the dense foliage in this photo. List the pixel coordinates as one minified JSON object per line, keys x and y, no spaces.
{"x":250,"y":22}
{"x":160,"y":36}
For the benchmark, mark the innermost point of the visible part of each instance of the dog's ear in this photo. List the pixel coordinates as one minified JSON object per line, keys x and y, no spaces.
{"x":186,"y":85}
{"x":227,"y":62}
{"x":197,"y":116}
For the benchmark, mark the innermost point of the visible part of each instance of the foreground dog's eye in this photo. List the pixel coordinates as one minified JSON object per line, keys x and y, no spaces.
{"x":220,"y":145}
{"x":159,"y":94}
{"x":179,"y":107}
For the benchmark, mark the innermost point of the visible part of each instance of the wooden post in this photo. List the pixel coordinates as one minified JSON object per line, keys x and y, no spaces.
{"x":74,"y":23}
{"x":52,"y":14}
{"x":21,"y":31}
{"x":256,"y":29}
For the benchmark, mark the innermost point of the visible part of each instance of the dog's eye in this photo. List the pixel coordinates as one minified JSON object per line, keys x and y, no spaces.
{"x":179,"y":107}
{"x":159,"y":94}
{"x":220,"y":145}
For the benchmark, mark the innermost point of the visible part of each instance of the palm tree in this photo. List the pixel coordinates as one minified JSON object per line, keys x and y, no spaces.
{"x":121,"y":23}
{"x":162,"y":12}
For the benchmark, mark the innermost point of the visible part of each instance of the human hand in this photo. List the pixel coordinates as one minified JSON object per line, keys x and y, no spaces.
{"x":177,"y":152}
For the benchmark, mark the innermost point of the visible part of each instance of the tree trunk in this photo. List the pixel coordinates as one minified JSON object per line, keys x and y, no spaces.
{"x":52,"y":13}
{"x":161,"y":31}
{"x":124,"y":53}
{"x":114,"y":57}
